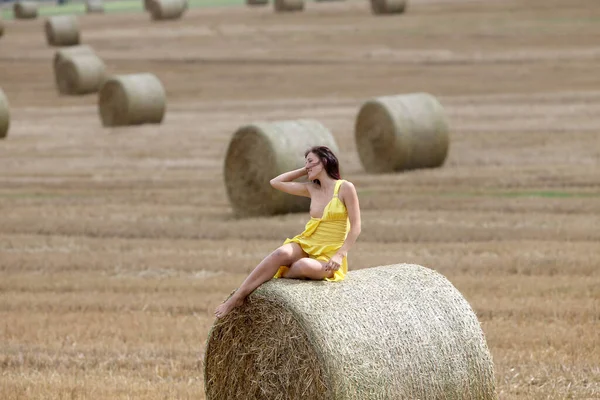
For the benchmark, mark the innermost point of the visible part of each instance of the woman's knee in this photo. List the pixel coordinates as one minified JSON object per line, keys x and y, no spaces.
{"x":300,"y":265}
{"x":309,"y":268}
{"x":297,"y":269}
{"x":284,"y":254}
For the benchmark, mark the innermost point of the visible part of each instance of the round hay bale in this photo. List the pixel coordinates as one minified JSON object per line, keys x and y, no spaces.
{"x":94,"y":6}
{"x":382,"y":7}
{"x":392,"y":332}
{"x":256,"y":2}
{"x":259,"y":152}
{"x":25,"y":10}
{"x":65,"y":54}
{"x":62,"y":54}
{"x":80,"y":74}
{"x":4,"y":115}
{"x":288,"y":5}
{"x":132,"y":100}
{"x":397,"y":133}
{"x":167,"y":9}
{"x":62,"y":30}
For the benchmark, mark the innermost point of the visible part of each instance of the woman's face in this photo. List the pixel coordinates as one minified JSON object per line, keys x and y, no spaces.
{"x":313,"y":166}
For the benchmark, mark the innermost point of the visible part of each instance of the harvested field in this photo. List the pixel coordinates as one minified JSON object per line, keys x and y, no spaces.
{"x":116,"y":244}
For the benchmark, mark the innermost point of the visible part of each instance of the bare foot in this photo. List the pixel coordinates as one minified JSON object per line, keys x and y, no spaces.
{"x":227,"y":306}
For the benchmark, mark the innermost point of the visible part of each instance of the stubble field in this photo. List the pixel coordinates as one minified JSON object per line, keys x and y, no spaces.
{"x":117,"y":244}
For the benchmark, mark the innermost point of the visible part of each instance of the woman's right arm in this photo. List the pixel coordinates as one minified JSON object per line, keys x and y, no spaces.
{"x":284,"y":182}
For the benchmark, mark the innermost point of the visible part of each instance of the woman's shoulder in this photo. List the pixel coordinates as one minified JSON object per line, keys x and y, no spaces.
{"x":347,"y":188}
{"x":346,"y":184}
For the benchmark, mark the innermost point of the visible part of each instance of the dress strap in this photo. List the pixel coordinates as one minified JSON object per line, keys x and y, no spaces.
{"x":336,"y":190}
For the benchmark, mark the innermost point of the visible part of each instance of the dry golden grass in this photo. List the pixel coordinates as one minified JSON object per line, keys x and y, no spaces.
{"x":117,"y":244}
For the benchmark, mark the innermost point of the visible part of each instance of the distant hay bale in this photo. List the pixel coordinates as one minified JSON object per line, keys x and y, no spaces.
{"x":147,"y":5}
{"x":66,"y":53}
{"x":62,"y":54}
{"x":94,"y":6}
{"x":62,"y":30}
{"x":258,"y":153}
{"x":167,"y":9}
{"x":4,"y":115}
{"x":25,"y":9}
{"x":132,"y":100}
{"x":380,"y":7}
{"x":257,"y":2}
{"x":392,"y":332}
{"x":288,"y":5}
{"x":80,"y":74}
{"x":397,"y":133}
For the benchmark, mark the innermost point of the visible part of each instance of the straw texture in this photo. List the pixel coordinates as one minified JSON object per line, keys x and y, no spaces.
{"x":94,"y":6}
{"x":167,"y":9}
{"x":65,"y":54}
{"x":393,"y":332}
{"x":398,"y":133}
{"x":380,"y":7}
{"x":80,"y":74}
{"x":257,"y":2}
{"x":68,"y":52}
{"x":288,"y":5}
{"x":4,"y":115}
{"x":25,"y":10}
{"x":259,"y":152}
{"x":132,"y":100}
{"x":62,"y":30}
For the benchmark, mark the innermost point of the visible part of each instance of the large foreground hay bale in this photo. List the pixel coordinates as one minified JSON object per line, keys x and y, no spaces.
{"x":381,"y":7}
{"x":62,"y":30}
{"x":25,"y":9}
{"x":167,"y":9}
{"x":94,"y":6}
{"x":288,"y":5}
{"x":398,"y":133}
{"x":393,"y":332}
{"x":259,"y":152}
{"x":80,"y":74}
{"x":132,"y":100}
{"x":4,"y":115}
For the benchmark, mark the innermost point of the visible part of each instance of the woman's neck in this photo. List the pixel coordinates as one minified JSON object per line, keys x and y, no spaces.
{"x":326,"y":182}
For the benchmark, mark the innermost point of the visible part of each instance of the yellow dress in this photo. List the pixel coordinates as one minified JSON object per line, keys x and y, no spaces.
{"x":323,"y":237}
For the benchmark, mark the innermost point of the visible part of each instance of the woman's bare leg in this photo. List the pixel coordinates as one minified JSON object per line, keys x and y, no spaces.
{"x":284,"y":255}
{"x":308,"y":268}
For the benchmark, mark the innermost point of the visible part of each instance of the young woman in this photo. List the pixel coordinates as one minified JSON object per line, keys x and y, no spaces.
{"x":320,"y":251}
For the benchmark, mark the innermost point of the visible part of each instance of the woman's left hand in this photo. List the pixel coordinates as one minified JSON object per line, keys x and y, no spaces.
{"x":334,"y":263}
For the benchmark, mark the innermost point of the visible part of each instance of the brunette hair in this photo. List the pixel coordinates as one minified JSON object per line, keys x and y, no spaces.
{"x":329,"y":160}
